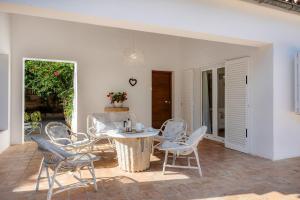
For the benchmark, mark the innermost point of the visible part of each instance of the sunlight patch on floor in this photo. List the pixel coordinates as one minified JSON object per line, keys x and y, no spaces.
{"x":274,"y":195}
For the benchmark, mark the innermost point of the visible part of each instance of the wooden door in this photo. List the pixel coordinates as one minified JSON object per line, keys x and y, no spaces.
{"x":161,"y":97}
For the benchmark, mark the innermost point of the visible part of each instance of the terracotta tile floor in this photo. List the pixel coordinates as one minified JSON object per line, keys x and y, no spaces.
{"x":228,"y":175}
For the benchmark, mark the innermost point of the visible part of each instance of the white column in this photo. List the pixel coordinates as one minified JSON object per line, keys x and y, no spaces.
{"x":215,"y":102}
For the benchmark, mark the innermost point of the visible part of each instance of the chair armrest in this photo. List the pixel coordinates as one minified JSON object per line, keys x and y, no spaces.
{"x":91,"y":131}
{"x":182,"y":137}
{"x":83,"y":134}
{"x":177,"y":149}
{"x":160,"y":132}
{"x":182,"y":143}
{"x":177,"y":146}
{"x":77,"y":158}
{"x":62,"y":139}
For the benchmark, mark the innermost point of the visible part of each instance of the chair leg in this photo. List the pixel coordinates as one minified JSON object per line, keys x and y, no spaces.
{"x":198,"y":162}
{"x":93,"y":145}
{"x":174,"y":159}
{"x":152,"y":148}
{"x":49,"y":195}
{"x":92,"y":171}
{"x":79,"y":172}
{"x":165,"y":161}
{"x":109,"y":140}
{"x":39,"y":176}
{"x":48,"y":177}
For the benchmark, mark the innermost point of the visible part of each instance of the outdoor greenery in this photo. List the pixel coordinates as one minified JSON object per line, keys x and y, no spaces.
{"x":36,"y":116}
{"x":27,"y":117}
{"x":33,"y":118}
{"x":46,"y":79}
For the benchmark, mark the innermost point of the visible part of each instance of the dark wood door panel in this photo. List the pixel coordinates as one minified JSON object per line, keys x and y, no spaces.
{"x":161,"y":97}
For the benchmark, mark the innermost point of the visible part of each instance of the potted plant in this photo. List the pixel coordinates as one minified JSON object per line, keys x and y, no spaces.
{"x":117,"y":98}
{"x":26,"y":117}
{"x":36,"y":118}
{"x":32,"y":122}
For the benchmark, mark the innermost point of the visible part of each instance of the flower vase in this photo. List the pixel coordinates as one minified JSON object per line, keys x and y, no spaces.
{"x":118,"y":104}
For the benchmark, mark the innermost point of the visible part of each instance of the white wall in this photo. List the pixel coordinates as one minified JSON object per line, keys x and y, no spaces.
{"x":101,"y":68}
{"x":236,"y":22}
{"x":5,"y":49}
{"x":261,"y":110}
{"x":198,"y":54}
{"x":4,"y":89}
{"x":99,"y":53}
{"x":286,"y":122}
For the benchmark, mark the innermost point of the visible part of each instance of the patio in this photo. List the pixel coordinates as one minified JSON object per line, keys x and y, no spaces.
{"x":227,"y":174}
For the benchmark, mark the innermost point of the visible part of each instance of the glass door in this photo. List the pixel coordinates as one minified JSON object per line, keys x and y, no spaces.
{"x":207,"y":107}
{"x":213,"y":102}
{"x":221,"y":101}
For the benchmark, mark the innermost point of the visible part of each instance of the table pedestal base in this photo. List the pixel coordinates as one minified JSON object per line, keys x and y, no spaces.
{"x":134,"y":153}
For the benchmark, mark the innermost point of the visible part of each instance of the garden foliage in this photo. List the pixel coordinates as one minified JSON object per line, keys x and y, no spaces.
{"x":47,"y":78}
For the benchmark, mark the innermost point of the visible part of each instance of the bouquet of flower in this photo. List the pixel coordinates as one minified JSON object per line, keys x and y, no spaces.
{"x":118,"y":97}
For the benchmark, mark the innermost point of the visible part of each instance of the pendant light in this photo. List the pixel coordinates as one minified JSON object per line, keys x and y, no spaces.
{"x":133,"y":56}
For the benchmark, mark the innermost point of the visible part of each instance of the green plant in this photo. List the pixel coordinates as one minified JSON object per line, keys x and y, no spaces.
{"x":26,"y":117}
{"x":36,"y":116}
{"x":117,"y":97}
{"x":33,"y":118}
{"x":47,"y":78}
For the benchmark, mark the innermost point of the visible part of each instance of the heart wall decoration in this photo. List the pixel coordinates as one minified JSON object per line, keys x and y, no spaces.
{"x":132,"y":81}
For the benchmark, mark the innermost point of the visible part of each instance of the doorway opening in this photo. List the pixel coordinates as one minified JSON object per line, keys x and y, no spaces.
{"x":213,"y":102}
{"x":161,"y":97}
{"x":224,"y":103}
{"x":49,"y":94}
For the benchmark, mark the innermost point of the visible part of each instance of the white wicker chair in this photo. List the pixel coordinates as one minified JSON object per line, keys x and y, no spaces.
{"x":171,"y":130}
{"x":99,"y":123}
{"x":61,"y":161}
{"x":183,"y":149}
{"x":62,"y":136}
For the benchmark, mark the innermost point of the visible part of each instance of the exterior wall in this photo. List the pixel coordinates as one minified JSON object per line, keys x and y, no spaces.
{"x":204,"y":54}
{"x":286,"y":122}
{"x":236,"y":22}
{"x":5,"y":49}
{"x":100,"y":61}
{"x":261,"y":103}
{"x":101,"y":67}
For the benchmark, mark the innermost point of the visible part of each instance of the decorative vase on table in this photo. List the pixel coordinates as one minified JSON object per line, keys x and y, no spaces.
{"x":117,"y":99}
{"x":118,"y":104}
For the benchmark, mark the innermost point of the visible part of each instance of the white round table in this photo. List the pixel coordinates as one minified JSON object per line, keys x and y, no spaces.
{"x":133,"y":149}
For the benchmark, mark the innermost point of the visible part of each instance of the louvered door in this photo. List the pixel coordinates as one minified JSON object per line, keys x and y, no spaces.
{"x":236,"y":100}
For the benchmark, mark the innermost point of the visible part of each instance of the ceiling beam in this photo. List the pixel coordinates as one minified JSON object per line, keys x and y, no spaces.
{"x":290,"y":5}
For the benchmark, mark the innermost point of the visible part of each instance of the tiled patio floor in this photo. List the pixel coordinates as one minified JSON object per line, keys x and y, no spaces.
{"x":227,"y":175}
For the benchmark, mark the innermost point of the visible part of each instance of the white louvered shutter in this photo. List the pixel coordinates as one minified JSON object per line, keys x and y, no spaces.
{"x":187,"y":98}
{"x":297,"y":83}
{"x":236,"y":104}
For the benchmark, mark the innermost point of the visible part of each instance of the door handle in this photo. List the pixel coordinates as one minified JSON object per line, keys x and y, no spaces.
{"x":167,"y":102}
